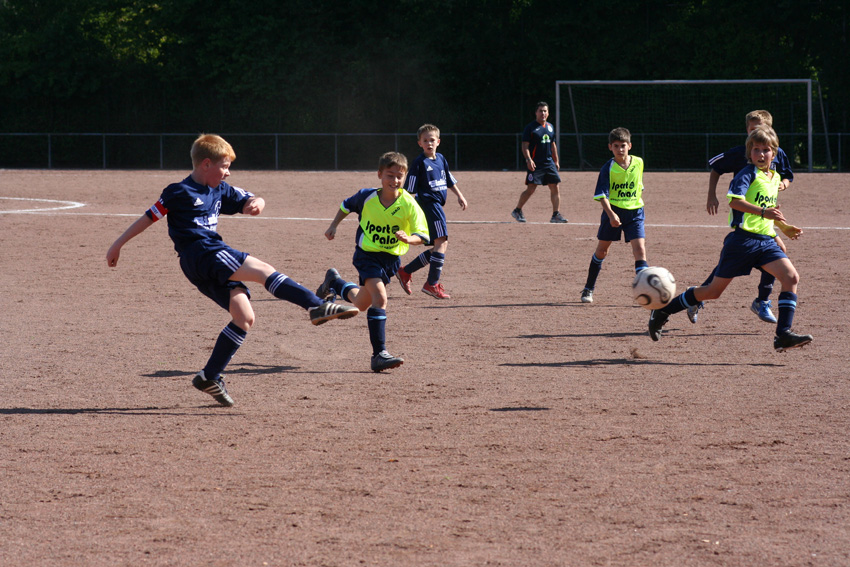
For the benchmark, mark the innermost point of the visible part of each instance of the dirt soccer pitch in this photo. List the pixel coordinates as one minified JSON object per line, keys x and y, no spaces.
{"x":524,"y":429}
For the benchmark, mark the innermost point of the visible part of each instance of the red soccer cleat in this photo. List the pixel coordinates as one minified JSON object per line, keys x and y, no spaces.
{"x":404,"y":280}
{"x":436,"y":290}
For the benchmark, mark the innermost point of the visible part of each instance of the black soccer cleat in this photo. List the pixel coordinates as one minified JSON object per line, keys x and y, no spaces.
{"x":656,"y":321}
{"x":788,"y":340}
{"x":214,"y":388}
{"x":330,"y":310}
{"x":325,"y":289}
{"x":385,"y":361}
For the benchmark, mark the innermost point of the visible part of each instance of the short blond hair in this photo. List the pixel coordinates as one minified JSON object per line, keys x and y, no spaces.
{"x":427,"y":128}
{"x":762,"y":135}
{"x":760,"y":116}
{"x":390,"y":159}
{"x":212,"y":147}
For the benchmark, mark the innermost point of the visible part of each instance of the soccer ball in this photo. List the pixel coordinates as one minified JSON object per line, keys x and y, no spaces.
{"x":654,"y":287}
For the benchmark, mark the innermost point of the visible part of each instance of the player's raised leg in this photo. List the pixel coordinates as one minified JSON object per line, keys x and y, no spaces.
{"x":691,"y":296}
{"x":285,"y":288}
{"x":437,"y":259}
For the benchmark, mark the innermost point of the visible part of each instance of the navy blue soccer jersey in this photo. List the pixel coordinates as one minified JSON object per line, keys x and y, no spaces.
{"x":540,"y":138}
{"x":429,"y":179}
{"x":735,"y":159}
{"x":192,"y":210}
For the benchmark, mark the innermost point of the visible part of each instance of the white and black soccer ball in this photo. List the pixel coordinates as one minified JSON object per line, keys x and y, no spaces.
{"x":654,"y":287}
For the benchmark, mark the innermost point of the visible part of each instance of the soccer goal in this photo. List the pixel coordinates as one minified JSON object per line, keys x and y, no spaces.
{"x":679,"y":125}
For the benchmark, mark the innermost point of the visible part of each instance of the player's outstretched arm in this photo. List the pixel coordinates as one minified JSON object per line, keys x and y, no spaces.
{"x":789,"y":230}
{"x":135,"y":229}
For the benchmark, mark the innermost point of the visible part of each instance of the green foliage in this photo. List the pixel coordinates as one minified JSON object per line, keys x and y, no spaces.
{"x":372,"y":66}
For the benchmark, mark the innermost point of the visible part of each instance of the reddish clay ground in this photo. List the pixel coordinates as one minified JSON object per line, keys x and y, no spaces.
{"x":524,"y":428}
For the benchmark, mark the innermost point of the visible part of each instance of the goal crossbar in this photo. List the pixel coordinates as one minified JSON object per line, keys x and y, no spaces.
{"x":572,"y":111}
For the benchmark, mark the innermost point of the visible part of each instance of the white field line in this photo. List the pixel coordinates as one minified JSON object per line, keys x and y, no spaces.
{"x":60,"y":206}
{"x":56,"y":205}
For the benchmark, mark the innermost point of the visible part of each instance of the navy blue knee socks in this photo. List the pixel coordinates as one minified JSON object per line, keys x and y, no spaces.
{"x":787,"y":308}
{"x":377,"y":322}
{"x":593,"y":271}
{"x":229,"y":341}
{"x":283,"y":287}
{"x":681,"y":302}
{"x":765,"y":285}
{"x":419,"y":262}
{"x":436,"y":268}
{"x":434,"y":261}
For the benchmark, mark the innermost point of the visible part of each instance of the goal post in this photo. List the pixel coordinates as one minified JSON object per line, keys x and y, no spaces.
{"x":679,"y":124}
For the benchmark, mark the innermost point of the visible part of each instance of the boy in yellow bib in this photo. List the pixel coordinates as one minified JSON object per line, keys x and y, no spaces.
{"x":619,"y":189}
{"x":755,"y":212}
{"x":390,"y":222}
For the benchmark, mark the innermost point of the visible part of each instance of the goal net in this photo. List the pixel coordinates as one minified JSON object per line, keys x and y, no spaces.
{"x":678,"y":125}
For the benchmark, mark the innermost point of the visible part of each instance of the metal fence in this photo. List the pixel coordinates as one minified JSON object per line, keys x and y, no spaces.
{"x":319,"y":152}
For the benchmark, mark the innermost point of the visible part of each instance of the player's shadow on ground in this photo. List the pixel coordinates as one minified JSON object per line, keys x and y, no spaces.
{"x":242,"y":369}
{"x":507,"y":305}
{"x":101,"y":411}
{"x":492,"y":305}
{"x":628,"y":362}
{"x":582,"y":335}
{"x":630,"y":334}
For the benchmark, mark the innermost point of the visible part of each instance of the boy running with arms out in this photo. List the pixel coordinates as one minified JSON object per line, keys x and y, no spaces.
{"x":732,"y":161}
{"x":428,"y":179}
{"x":619,"y":189}
{"x":192,"y":208}
{"x":753,"y":200}
{"x":390,"y":222}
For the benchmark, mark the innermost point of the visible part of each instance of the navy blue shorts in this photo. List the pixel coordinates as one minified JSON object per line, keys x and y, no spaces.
{"x":743,"y":251}
{"x":381,"y":265}
{"x":436,"y":217}
{"x":209,"y":267}
{"x":545,"y":175}
{"x":631,"y":225}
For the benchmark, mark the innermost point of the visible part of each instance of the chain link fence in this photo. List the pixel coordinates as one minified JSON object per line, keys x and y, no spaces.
{"x":325,"y":152}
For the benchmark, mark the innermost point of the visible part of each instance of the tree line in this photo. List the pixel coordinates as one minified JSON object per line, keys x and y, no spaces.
{"x":375,"y":66}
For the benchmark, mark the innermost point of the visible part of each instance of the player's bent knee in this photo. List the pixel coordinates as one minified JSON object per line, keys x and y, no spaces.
{"x":244,"y":322}
{"x":790,"y":280}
